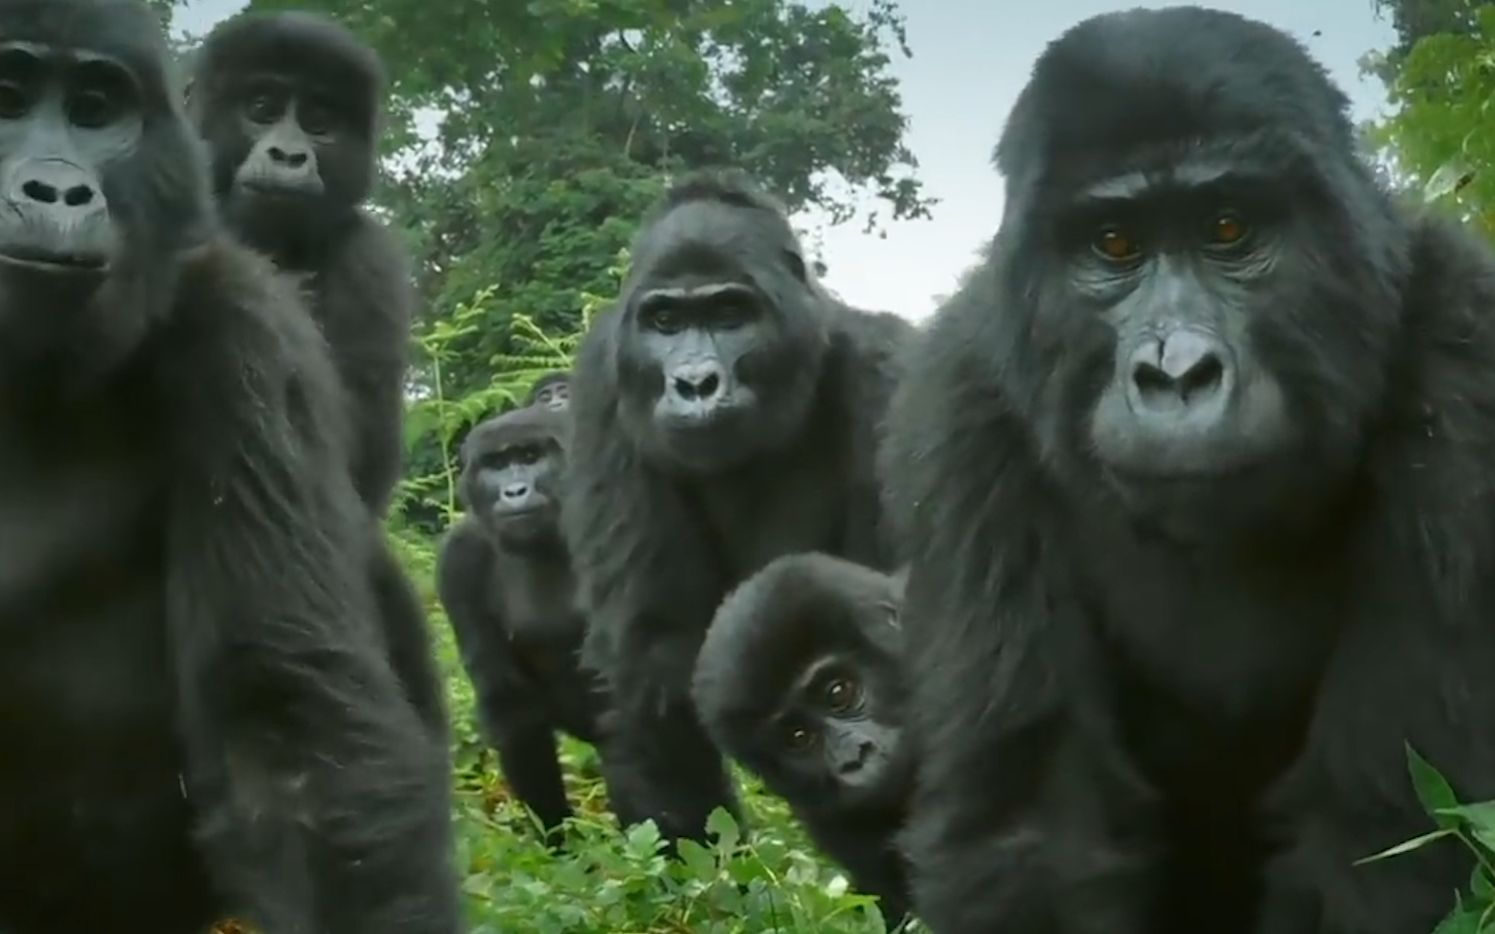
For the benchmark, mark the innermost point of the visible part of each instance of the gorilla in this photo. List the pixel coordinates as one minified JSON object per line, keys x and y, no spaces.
{"x":1195,"y":475}
{"x":504,"y":577}
{"x":800,"y":679}
{"x":726,"y":413}
{"x":289,"y":105}
{"x":553,"y":390}
{"x":197,"y":717}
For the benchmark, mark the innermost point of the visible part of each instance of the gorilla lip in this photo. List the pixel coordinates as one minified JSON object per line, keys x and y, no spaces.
{"x":55,"y":263}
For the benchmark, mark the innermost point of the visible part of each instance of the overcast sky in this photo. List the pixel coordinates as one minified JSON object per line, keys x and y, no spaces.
{"x":971,"y":57}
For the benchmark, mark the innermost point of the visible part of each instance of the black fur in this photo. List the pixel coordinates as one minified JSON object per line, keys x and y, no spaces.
{"x":657,"y":541}
{"x":510,"y":601}
{"x":1180,"y":705}
{"x":355,"y":272}
{"x":803,"y":622}
{"x":197,"y":718}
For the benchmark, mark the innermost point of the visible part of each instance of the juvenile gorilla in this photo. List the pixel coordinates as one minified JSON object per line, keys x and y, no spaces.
{"x":289,"y":104}
{"x":1195,"y":476}
{"x":196,"y":716}
{"x":553,"y":390}
{"x":726,"y":413}
{"x":505,"y":580}
{"x":800,"y":679}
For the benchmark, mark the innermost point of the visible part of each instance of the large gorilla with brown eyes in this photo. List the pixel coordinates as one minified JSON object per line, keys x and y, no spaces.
{"x":726,"y":413}
{"x":197,"y":715}
{"x":1195,"y":476}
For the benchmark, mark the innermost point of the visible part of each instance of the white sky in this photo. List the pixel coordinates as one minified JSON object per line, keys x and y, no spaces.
{"x":971,"y":58}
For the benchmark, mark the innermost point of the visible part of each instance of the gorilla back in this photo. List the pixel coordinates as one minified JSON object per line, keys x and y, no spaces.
{"x":725,"y":413}
{"x":1194,"y":477}
{"x":195,"y":715}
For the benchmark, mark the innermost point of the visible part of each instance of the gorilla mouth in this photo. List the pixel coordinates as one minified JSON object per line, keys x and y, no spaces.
{"x":270,"y":190}
{"x":43,"y":260}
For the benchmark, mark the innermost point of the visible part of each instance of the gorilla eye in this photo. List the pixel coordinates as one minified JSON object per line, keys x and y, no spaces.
{"x":799,"y":738}
{"x":1114,"y":243}
{"x":665,"y":320}
{"x":734,"y":312}
{"x":262,"y":108}
{"x":14,"y":102}
{"x":842,"y":694}
{"x":92,"y":108}
{"x":527,"y":455}
{"x":1228,"y":229}
{"x":314,"y":117}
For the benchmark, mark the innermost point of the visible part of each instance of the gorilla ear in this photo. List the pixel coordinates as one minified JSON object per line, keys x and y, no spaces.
{"x":796,"y":264}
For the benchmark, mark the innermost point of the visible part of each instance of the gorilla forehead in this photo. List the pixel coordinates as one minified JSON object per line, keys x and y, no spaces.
{"x":520,"y":426}
{"x":1121,"y":82}
{"x":709,"y":237}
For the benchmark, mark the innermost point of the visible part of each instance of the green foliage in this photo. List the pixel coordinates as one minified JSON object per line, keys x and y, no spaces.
{"x":1471,"y":824}
{"x":1443,"y":131}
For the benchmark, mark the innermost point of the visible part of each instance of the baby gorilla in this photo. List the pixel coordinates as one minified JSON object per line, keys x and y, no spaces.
{"x":505,"y":579}
{"x":800,"y":680}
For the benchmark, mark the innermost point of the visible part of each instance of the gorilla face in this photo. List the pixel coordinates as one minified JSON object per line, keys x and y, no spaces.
{"x":1204,"y":330}
{"x":513,"y":465}
{"x":720,"y":338}
{"x":800,"y":679}
{"x":837,"y":729}
{"x":556,"y":397}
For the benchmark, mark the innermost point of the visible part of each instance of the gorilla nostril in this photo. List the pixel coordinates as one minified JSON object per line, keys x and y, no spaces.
{"x":40,"y":191}
{"x":516,"y":491}
{"x":77,"y":196}
{"x":698,"y":387}
{"x":709,"y":385}
{"x":1203,"y":377}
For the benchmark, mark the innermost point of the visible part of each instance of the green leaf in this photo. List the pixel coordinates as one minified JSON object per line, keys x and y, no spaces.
{"x":1433,"y":790}
{"x":1416,"y":843}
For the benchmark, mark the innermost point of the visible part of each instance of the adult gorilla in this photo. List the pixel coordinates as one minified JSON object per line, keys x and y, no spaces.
{"x":196,"y":716}
{"x":726,"y":413}
{"x":1195,"y":475}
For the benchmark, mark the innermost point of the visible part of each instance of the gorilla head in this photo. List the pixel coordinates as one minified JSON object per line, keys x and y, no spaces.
{"x":718,"y":340}
{"x":799,"y":679}
{"x":1198,"y":285}
{"x":290,"y":105}
{"x":551,"y":391}
{"x":100,"y":178}
{"x":512,"y":465}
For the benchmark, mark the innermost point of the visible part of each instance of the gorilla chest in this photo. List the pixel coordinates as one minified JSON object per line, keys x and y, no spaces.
{"x":755,"y":520}
{"x":84,"y":668}
{"x":533,"y":599}
{"x":1214,"y":668}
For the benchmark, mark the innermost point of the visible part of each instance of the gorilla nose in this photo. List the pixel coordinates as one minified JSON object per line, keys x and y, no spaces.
{"x":58,"y":185}
{"x":294,"y":158}
{"x":697,"y":381}
{"x":1177,"y":373}
{"x":515,"y":491}
{"x":855,"y":758}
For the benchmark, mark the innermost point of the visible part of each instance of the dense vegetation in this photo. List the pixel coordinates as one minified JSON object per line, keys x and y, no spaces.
{"x":525,"y":139}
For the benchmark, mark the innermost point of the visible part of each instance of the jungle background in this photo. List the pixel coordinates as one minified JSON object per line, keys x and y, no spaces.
{"x":526,"y":137}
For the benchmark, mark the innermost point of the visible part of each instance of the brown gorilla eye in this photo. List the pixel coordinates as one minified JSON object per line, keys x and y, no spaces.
{"x":1228,"y":229}
{"x":842,"y":694}
{"x":799,"y":738}
{"x":13,"y":101}
{"x":262,"y":108}
{"x":1114,"y":243}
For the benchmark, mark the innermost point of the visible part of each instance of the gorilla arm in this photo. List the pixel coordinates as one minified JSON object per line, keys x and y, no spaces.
{"x":370,"y":302}
{"x":649,"y":587}
{"x":311,"y":770}
{"x":506,"y":698}
{"x":1415,"y":669}
{"x":982,"y":826}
